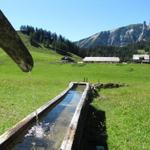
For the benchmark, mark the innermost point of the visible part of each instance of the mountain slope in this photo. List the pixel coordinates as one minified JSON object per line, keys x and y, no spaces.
{"x":52,"y":56}
{"x":119,"y":37}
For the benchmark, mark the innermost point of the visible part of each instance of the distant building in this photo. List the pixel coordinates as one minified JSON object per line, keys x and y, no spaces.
{"x":67,"y":59}
{"x":141,"y":58}
{"x":101,"y":59}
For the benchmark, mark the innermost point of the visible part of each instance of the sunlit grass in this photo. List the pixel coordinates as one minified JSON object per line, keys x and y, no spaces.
{"x":127,"y":116}
{"x":127,"y":109}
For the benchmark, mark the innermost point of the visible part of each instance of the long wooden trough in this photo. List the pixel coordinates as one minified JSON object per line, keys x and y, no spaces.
{"x":75,"y":108}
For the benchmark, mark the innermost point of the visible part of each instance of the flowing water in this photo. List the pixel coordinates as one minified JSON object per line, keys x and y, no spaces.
{"x":49,"y":131}
{"x":33,"y":96}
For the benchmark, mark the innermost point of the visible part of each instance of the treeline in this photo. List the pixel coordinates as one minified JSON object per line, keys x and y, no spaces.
{"x":145,"y":45}
{"x":124,"y":53}
{"x":49,"y":40}
{"x":62,"y":45}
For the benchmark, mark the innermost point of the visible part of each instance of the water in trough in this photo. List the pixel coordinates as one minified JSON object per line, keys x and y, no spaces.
{"x":51,"y":128}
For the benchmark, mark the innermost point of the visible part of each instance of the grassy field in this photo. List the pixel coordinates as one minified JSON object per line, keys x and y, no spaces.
{"x":127,"y":109}
{"x":127,"y":116}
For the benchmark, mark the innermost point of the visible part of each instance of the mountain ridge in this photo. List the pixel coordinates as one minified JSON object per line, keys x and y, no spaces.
{"x":121,"y":36}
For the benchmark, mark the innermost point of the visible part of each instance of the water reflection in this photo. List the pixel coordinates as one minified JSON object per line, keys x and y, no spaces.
{"x":49,"y":131}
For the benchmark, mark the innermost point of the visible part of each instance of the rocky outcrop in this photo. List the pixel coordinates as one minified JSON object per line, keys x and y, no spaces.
{"x":118,"y":37}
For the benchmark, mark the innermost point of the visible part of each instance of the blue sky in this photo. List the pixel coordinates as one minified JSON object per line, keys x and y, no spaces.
{"x":76,"y":19}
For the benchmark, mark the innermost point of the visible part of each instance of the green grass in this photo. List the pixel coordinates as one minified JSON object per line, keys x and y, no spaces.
{"x":127,"y":109}
{"x":141,"y":51}
{"x":127,"y":116}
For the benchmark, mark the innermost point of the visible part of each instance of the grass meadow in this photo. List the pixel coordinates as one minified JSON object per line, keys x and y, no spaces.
{"x":127,"y":108}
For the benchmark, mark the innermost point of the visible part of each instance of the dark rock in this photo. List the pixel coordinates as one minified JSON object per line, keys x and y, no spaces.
{"x":99,"y":86}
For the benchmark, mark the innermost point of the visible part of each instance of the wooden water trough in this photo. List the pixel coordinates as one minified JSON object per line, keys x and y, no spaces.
{"x":74,"y":131}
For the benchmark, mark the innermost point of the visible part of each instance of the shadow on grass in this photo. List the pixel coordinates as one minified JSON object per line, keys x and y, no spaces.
{"x":95,"y":134}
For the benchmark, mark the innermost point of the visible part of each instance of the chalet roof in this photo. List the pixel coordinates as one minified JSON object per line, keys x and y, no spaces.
{"x":101,"y":59}
{"x":138,"y":56}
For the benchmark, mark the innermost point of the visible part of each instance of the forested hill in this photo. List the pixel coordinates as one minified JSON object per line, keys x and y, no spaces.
{"x":50,"y":40}
{"x":125,"y":53}
{"x":63,"y":46}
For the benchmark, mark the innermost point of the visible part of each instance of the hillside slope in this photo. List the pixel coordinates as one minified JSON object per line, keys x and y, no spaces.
{"x":51,"y":55}
{"x":119,"y":37}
